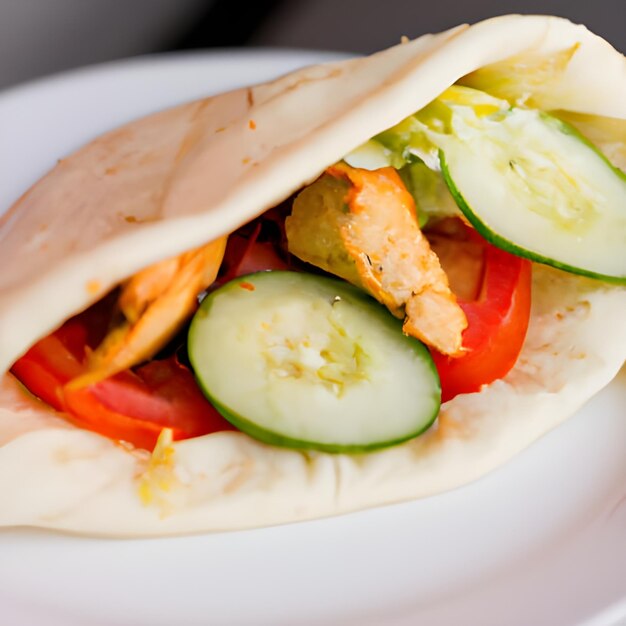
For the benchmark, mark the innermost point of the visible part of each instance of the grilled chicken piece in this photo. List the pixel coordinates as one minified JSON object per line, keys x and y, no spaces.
{"x":155,"y":302}
{"x":362,"y":225}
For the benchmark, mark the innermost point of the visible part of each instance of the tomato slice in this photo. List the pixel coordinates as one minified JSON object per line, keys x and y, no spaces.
{"x":136,"y":405}
{"x":53,"y":362}
{"x":497,"y":322}
{"x":246,"y":254}
{"x":132,"y":406}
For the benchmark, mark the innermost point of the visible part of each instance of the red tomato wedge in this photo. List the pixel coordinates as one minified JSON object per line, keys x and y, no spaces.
{"x":136,"y":405}
{"x":497,"y":318}
{"x":246,"y":254}
{"x":52,"y":362}
{"x":132,"y":406}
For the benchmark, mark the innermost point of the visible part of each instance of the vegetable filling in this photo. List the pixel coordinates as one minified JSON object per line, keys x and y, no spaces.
{"x":433,"y":222}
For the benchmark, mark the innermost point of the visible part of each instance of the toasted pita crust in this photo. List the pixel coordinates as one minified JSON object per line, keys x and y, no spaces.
{"x":177,"y":179}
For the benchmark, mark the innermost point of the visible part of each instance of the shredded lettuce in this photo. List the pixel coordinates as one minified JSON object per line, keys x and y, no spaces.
{"x":430,"y":192}
{"x":413,"y":145}
{"x":408,"y":143}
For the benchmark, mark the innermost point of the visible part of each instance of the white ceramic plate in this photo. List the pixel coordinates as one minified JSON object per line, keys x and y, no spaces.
{"x":541,"y":541}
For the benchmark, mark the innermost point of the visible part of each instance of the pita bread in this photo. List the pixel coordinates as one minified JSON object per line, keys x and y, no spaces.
{"x":179,"y":178}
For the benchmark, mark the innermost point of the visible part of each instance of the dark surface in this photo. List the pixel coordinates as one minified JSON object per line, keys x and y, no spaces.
{"x":368,"y":25}
{"x":226,"y":24}
{"x":40,"y":37}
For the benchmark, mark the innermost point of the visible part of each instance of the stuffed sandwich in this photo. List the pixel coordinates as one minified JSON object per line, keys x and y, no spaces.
{"x":364,"y":282}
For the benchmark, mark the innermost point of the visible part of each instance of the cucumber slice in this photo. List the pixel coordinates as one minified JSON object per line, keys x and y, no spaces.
{"x":532,"y":185}
{"x":305,"y":361}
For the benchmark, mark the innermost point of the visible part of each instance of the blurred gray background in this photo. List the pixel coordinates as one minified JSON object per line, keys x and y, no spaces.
{"x":39,"y":37}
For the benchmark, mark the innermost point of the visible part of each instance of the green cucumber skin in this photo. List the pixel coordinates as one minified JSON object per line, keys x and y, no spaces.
{"x":509,"y":246}
{"x":275,"y":439}
{"x":567,"y":129}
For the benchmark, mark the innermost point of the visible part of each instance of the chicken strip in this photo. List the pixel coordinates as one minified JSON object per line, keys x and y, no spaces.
{"x":155,"y":303}
{"x":361,"y":225}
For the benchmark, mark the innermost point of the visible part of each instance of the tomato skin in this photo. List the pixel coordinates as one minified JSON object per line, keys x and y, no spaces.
{"x":51,"y":363}
{"x":497,"y":325}
{"x":246,"y":254}
{"x":132,"y":406}
{"x":136,"y":405}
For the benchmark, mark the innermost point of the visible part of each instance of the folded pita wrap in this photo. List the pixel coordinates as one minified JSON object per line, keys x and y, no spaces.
{"x":179,"y":178}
